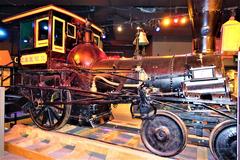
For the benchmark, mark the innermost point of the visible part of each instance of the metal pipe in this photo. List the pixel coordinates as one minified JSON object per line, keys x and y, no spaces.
{"x":2,"y":114}
{"x":204,"y":16}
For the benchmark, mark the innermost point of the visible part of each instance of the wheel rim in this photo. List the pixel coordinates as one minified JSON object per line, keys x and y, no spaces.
{"x":223,"y":140}
{"x":164,"y":135}
{"x":50,"y":117}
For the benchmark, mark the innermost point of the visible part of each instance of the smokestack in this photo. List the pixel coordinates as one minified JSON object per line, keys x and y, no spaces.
{"x":204,"y":16}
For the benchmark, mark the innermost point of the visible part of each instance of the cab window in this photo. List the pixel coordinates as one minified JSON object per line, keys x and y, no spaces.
{"x":71,"y":30}
{"x":41,"y":32}
{"x":26,"y":35}
{"x":58,"y":37}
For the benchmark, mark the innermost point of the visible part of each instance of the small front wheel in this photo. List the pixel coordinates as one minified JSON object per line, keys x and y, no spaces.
{"x":165,"y":134}
{"x":223,"y":140}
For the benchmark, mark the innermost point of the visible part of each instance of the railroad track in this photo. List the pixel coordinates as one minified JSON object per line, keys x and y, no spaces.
{"x":74,"y":142}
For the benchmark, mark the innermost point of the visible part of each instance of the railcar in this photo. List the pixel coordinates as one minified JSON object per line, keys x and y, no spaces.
{"x":64,"y":74}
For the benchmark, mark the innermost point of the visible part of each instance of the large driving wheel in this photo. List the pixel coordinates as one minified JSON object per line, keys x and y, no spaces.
{"x":223,"y":140}
{"x":165,"y":134}
{"x":50,"y":117}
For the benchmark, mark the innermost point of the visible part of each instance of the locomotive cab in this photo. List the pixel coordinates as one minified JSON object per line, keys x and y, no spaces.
{"x":48,"y":34}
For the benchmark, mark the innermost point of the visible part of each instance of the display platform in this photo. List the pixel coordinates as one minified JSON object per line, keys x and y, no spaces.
{"x":10,"y":156}
{"x":74,"y":142}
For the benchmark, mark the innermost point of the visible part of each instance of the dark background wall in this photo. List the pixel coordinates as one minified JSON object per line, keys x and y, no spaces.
{"x":110,"y":13}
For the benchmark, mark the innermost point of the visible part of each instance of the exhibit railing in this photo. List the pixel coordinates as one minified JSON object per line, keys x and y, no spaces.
{"x":7,"y":75}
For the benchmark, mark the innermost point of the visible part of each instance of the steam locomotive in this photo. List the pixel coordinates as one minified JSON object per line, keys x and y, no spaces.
{"x":64,"y":73}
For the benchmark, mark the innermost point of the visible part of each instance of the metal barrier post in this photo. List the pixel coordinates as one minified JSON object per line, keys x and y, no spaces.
{"x":2,"y":113}
{"x":238,"y":110}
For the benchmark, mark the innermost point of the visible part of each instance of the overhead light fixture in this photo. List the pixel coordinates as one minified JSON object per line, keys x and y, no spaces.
{"x":119,"y":28}
{"x":176,"y":20}
{"x":138,"y":28}
{"x":166,"y":22}
{"x":157,"y":28}
{"x":104,"y":35}
{"x":183,"y":20}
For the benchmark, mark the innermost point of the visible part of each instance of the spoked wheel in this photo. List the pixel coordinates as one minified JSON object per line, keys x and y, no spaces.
{"x":165,"y":134}
{"x":223,"y":140}
{"x":50,"y":117}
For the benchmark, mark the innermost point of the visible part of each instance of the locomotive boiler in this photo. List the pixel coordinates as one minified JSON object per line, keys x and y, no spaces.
{"x":64,"y":74}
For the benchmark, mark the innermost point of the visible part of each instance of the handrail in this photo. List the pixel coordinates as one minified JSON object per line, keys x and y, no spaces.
{"x":8,"y":63}
{"x":2,"y":68}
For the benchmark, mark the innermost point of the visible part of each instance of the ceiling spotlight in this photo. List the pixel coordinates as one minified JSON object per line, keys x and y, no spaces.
{"x":119,"y":28}
{"x":157,"y":29}
{"x":183,"y":20}
{"x":175,"y":20}
{"x":104,"y":35}
{"x":166,"y":22}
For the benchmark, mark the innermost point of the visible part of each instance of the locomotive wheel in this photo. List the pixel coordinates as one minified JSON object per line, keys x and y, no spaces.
{"x":50,"y":117}
{"x":223,"y":140}
{"x":165,"y":134}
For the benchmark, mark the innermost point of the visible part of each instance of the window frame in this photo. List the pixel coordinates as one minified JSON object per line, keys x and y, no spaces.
{"x":75,"y":32}
{"x":99,"y":40}
{"x":39,"y":43}
{"x":56,"y":48}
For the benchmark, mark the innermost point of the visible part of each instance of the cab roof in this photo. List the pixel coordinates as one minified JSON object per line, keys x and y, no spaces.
{"x":47,"y":8}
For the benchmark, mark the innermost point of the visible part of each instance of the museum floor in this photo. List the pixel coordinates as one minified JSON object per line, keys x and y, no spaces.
{"x":10,"y":156}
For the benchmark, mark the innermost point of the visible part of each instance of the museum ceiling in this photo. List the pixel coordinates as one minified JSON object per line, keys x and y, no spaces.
{"x":126,"y":12}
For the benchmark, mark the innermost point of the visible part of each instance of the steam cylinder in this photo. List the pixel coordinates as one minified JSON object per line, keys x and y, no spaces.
{"x":204,"y":16}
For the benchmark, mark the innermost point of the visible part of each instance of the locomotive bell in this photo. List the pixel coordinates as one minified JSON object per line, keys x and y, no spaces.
{"x":142,"y":39}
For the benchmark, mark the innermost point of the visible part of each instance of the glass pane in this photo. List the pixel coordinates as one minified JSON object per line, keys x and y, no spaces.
{"x":43,"y":30}
{"x":95,"y":40}
{"x":26,"y":35}
{"x":58,"y":33}
{"x":70,"y":31}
